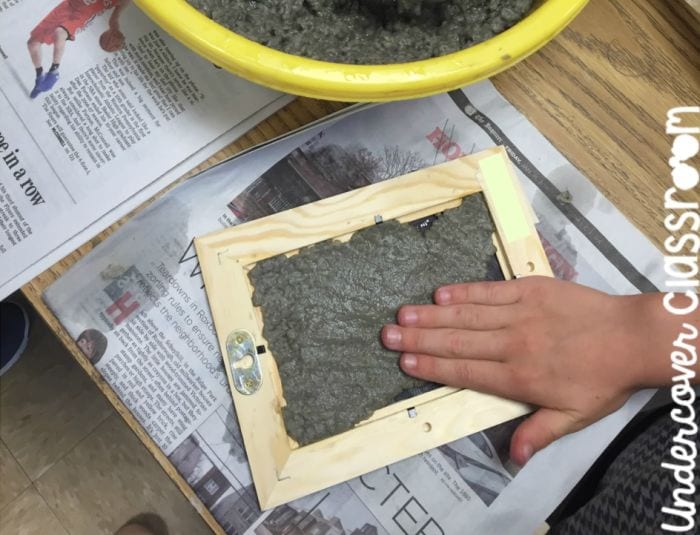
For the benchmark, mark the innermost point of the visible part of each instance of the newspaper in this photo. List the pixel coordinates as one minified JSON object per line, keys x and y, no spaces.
{"x":115,"y":128}
{"x":137,"y":307}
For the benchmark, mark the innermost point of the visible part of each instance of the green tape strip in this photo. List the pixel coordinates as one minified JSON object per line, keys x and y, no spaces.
{"x":504,"y":196}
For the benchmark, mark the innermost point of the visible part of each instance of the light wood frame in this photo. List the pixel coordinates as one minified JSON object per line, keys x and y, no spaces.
{"x":281,"y":470}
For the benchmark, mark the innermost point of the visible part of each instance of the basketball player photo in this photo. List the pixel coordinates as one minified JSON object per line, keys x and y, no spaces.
{"x":61,"y":25}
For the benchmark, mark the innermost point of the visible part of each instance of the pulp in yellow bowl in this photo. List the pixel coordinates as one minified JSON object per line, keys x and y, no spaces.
{"x":355,"y":83}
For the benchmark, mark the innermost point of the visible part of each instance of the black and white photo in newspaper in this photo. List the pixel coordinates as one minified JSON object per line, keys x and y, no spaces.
{"x":143,"y":290}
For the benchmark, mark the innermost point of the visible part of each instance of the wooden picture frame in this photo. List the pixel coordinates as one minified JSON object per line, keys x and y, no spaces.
{"x":281,"y":470}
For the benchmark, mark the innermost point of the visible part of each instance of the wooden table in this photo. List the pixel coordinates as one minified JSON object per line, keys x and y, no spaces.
{"x":599,"y":92}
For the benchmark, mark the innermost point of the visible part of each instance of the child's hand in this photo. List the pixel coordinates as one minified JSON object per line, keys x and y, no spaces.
{"x":576,"y":352}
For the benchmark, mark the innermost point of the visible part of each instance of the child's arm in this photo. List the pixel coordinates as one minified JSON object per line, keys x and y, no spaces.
{"x":114,"y":17}
{"x":576,"y":352}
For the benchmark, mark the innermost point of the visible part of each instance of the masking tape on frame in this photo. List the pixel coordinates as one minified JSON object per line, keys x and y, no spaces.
{"x":505,"y":197}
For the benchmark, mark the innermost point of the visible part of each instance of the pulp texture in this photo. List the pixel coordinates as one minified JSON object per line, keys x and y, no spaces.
{"x":366,"y":31}
{"x":323,"y":310}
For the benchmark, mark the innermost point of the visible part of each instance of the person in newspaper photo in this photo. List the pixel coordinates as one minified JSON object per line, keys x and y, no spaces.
{"x":93,"y":344}
{"x":578,"y":354}
{"x":61,"y":25}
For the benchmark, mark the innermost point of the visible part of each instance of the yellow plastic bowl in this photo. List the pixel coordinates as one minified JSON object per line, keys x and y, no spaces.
{"x":354,"y":83}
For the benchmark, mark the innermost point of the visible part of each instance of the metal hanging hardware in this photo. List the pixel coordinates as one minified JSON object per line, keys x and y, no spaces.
{"x":244,"y":362}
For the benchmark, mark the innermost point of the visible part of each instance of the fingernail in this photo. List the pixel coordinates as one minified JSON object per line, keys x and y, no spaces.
{"x":442,"y":295}
{"x":409,"y":361}
{"x":409,"y":316}
{"x":527,"y":452}
{"x":392,"y":335}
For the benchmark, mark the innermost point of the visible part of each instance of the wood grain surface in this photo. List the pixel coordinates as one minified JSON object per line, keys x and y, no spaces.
{"x":692,"y":8}
{"x":599,"y":92}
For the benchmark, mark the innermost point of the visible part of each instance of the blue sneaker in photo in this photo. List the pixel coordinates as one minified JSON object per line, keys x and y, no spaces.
{"x":37,"y":86}
{"x":50,"y":79}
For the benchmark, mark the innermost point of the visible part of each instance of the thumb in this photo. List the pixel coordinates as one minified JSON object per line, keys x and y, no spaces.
{"x":538,"y":431}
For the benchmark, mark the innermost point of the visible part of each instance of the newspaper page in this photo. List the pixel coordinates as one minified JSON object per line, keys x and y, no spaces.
{"x":137,"y":307}
{"x":84,"y":130}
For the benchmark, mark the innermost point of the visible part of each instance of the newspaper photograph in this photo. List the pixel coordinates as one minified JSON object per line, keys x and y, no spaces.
{"x":97,"y":104}
{"x":142,"y":296}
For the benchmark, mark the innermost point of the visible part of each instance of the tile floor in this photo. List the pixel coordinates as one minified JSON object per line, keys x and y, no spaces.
{"x":69,"y":465}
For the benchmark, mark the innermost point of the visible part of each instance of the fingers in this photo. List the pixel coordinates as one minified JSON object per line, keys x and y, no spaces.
{"x":483,"y":376}
{"x":484,"y":293}
{"x":540,"y":430}
{"x":475,"y":317}
{"x":450,"y":343}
